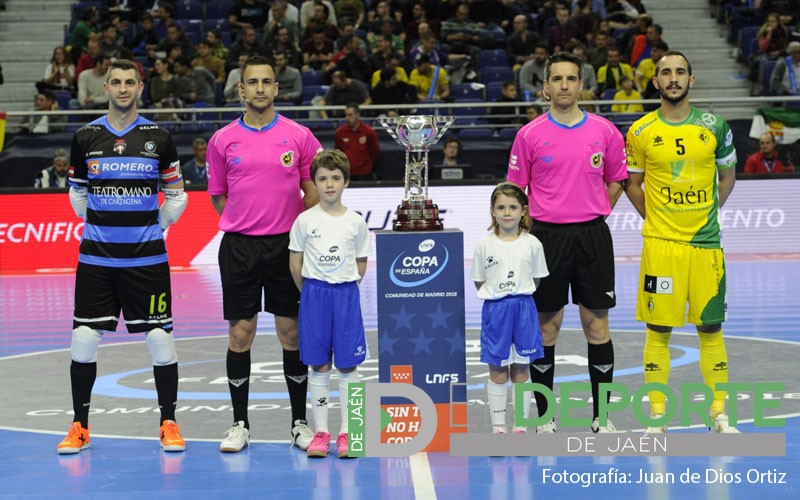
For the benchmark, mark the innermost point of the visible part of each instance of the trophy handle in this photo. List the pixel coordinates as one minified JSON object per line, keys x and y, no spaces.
{"x":387,"y":124}
{"x":442,"y":124}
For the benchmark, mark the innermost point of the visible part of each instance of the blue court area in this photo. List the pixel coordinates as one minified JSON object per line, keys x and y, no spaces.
{"x":36,"y":309}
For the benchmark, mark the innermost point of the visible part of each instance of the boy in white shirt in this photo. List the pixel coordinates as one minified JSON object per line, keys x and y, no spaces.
{"x":329,"y":246}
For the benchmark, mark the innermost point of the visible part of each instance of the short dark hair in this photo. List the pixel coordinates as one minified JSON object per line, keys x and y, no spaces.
{"x":123,"y":64}
{"x":452,"y":140}
{"x":48,"y":94}
{"x":346,"y":39}
{"x":660,"y":44}
{"x":89,"y":12}
{"x":332,"y":159}
{"x":559,"y":57}
{"x":353,"y":105}
{"x":387,"y":73}
{"x":183,"y":60}
{"x":254,"y":61}
{"x":676,"y":53}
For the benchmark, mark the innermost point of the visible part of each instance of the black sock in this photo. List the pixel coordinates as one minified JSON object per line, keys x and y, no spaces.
{"x":296,"y":374}
{"x":542,"y":372}
{"x":601,"y":370}
{"x":82,"y":377}
{"x":238,"y":368}
{"x":167,"y":389}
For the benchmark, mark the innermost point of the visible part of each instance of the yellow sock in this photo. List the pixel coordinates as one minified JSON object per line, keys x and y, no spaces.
{"x":714,"y":367}
{"x":656,"y":367}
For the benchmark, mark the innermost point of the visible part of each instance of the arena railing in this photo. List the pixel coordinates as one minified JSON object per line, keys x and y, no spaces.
{"x":469,"y":114}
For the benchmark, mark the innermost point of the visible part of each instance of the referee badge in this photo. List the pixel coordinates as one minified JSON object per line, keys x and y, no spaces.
{"x":287,"y":159}
{"x":597,"y":160}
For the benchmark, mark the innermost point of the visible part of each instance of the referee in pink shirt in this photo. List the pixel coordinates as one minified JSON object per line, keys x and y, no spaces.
{"x":259,"y":182}
{"x":572,"y":164}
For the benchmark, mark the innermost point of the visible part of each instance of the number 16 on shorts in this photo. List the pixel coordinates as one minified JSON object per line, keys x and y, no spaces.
{"x":658,"y":284}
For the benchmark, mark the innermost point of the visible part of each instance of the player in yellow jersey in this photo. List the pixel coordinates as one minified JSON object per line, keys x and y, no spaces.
{"x":681,"y":165}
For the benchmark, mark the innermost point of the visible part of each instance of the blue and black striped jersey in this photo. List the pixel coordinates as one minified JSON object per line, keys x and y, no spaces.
{"x":122,"y":171}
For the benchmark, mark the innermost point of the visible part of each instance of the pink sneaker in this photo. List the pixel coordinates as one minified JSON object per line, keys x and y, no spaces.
{"x":341,"y":445}
{"x":520,"y":430}
{"x":320,"y":444}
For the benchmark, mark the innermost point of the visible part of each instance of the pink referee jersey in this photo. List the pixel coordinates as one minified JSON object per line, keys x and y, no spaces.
{"x":566,"y":169}
{"x":260,"y":171}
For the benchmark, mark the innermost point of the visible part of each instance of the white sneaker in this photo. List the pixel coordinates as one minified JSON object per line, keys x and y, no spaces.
{"x":607,"y":429}
{"x":548,"y":428}
{"x":301,"y":434}
{"x":721,"y":425}
{"x":656,"y":430}
{"x":499,"y":429}
{"x":236,"y":438}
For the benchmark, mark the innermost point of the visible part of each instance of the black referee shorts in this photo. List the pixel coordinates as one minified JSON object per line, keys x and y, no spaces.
{"x":579,"y":256}
{"x":252,"y":267}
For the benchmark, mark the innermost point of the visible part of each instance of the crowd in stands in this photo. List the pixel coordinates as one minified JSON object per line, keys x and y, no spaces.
{"x":767,"y":38}
{"x":353,"y":51}
{"x":386,"y":52}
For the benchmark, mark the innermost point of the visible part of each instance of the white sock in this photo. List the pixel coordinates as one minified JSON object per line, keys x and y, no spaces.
{"x":318,"y":389}
{"x":526,"y":403}
{"x":498,"y":400}
{"x":345,"y":379}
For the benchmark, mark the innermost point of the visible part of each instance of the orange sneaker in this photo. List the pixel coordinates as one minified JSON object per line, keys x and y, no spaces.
{"x":171,"y":439}
{"x":77,"y":439}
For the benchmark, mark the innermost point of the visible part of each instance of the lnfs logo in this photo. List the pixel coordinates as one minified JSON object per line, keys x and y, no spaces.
{"x":411,"y":269}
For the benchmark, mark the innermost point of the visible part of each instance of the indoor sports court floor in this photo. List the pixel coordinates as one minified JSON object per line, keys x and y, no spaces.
{"x":125,"y":461}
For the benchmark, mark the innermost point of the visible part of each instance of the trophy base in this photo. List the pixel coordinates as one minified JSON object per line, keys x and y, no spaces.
{"x":417,"y":216}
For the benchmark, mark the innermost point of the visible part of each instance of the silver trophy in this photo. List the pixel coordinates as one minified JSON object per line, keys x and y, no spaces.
{"x":416,"y":133}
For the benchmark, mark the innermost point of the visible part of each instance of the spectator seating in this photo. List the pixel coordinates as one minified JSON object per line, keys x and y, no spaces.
{"x":62,"y":98}
{"x":462,"y":91}
{"x":607,"y":95}
{"x":311,"y":91}
{"x":219,"y":9}
{"x":623,"y":121}
{"x":765,"y":70}
{"x":740,"y":17}
{"x":221,"y":24}
{"x":475,"y":133}
{"x":508,"y":134}
{"x":202,"y":121}
{"x":192,"y":27}
{"x":494,"y":90}
{"x":748,"y":43}
{"x":496,"y":57}
{"x":312,"y":78}
{"x":235,"y":112}
{"x":189,"y":9}
{"x":219,"y":93}
{"x":496,"y":74}
{"x":79,"y":7}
